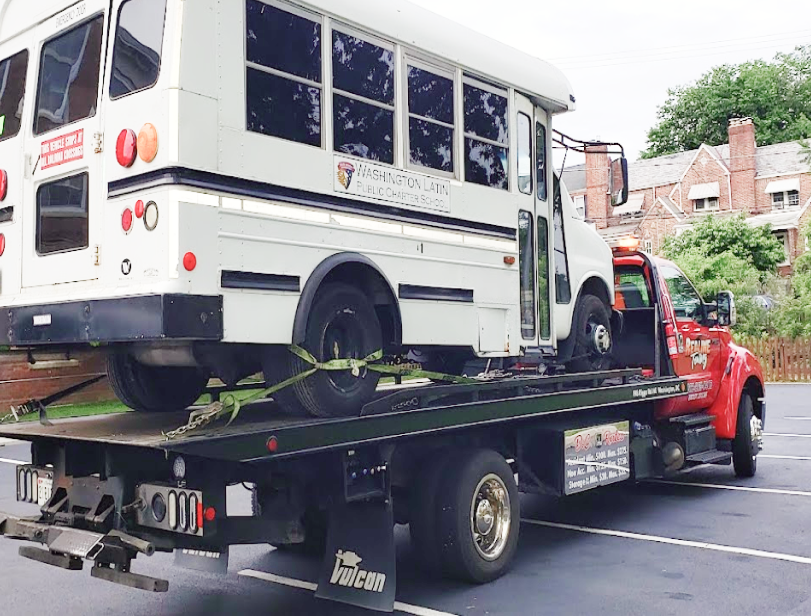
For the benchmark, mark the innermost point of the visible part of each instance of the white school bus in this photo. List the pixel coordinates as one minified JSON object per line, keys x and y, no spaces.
{"x":193,"y":186}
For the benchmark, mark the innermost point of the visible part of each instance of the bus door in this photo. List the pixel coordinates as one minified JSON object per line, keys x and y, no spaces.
{"x":543,"y":196}
{"x":15,"y":105}
{"x":64,"y":193}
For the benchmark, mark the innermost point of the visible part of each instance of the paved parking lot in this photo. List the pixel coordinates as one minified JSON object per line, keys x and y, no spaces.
{"x":708,"y":543}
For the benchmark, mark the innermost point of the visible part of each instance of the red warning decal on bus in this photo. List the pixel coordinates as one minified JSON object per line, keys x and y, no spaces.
{"x":61,"y":150}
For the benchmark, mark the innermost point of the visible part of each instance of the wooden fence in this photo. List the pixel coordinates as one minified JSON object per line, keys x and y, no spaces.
{"x":783,"y":359}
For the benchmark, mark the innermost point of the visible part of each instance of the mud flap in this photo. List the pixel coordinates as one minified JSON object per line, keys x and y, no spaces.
{"x":359,"y":565}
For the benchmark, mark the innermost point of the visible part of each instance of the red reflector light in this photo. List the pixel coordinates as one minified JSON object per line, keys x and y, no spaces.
{"x":509,"y":260}
{"x":126,"y":147}
{"x":273,"y":444}
{"x":210,"y":514}
{"x":3,"y":184}
{"x":2,"y":244}
{"x":126,"y":220}
{"x":139,"y":208}
{"x":200,"y":511}
{"x":189,"y":261}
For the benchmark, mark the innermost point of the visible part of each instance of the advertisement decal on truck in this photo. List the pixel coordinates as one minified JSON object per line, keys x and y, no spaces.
{"x":596,"y":456}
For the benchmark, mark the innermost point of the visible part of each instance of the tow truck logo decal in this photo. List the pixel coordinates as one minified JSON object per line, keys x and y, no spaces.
{"x":698,"y":351}
{"x":347,"y":573}
{"x":345,"y":173}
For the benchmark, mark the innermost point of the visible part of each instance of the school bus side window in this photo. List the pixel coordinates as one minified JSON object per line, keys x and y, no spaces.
{"x":138,"y":46}
{"x":363,"y":97}
{"x":12,"y":93}
{"x":486,"y":136}
{"x":69,"y":77}
{"x":283,"y":73}
{"x":431,"y":119}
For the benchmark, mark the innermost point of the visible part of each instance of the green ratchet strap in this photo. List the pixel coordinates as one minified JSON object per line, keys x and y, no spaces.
{"x":231,"y":406}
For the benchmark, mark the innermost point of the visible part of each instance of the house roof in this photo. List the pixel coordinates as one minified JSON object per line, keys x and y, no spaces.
{"x":616,"y":232}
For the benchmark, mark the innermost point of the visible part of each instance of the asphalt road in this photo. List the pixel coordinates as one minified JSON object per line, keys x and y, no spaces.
{"x":691,"y":547}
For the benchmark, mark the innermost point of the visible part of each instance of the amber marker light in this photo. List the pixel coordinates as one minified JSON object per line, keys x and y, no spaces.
{"x":148,"y":143}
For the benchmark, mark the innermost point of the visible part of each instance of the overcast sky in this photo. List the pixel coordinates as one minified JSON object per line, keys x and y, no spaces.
{"x":621,"y":57}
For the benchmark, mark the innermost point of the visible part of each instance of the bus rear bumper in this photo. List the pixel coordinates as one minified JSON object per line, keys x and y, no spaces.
{"x":123,"y":319}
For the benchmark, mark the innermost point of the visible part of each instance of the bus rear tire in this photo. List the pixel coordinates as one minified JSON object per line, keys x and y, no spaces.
{"x":153,"y":389}
{"x":593,"y":343}
{"x":478,"y":516}
{"x":342,"y":324}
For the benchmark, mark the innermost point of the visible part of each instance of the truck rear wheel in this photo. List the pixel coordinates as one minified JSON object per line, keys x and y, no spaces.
{"x":746,"y":445}
{"x":423,"y":511}
{"x":342,"y":324}
{"x":153,"y":389}
{"x":478,"y":515}
{"x":591,"y":327}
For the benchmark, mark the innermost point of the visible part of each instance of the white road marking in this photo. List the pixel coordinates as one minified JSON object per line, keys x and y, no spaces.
{"x":776,"y":457}
{"x":293,"y":583}
{"x":9,"y":461}
{"x":680,"y":542}
{"x":800,"y":418}
{"x":7,"y":441}
{"x":716,"y":486}
{"x":787,"y":435}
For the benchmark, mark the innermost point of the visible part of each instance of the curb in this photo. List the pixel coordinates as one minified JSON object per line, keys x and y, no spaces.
{"x":7,"y":441}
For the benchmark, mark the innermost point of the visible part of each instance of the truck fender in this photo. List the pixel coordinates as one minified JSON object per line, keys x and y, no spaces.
{"x":742,"y":372}
{"x":322,"y":272}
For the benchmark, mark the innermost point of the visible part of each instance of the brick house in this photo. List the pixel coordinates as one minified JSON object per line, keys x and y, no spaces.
{"x":770,"y":184}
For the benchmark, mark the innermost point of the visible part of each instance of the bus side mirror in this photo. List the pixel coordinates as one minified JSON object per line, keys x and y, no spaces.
{"x":727,"y":313}
{"x":618,"y":181}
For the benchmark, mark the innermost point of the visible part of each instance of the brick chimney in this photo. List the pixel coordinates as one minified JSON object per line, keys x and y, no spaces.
{"x":742,"y":163}
{"x":597,"y":200}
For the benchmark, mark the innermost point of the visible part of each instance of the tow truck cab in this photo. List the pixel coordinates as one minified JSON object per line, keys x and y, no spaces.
{"x":669,"y":330}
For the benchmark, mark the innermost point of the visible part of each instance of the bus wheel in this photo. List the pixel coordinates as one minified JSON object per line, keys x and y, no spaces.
{"x":592,"y":327}
{"x":153,"y":388}
{"x":342,"y":324}
{"x":748,"y":435}
{"x":477,"y":516}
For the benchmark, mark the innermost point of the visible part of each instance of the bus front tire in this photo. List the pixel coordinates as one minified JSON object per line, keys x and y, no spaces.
{"x":342,"y":324}
{"x":591,"y":327}
{"x":153,"y":389}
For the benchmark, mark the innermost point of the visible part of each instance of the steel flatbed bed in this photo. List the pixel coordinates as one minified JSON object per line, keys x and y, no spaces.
{"x":418,"y":410}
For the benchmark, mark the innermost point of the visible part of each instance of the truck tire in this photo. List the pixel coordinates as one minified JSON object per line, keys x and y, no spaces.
{"x":314,"y":521}
{"x":478,"y":516}
{"x":342,"y":324}
{"x":153,"y":389}
{"x":423,"y":511}
{"x":591,"y":327}
{"x":745,"y":446}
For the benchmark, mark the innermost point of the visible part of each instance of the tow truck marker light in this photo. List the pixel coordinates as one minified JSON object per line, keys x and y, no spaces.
{"x":680,"y":542}
{"x":200,"y":515}
{"x":273,"y":444}
{"x":210,"y":514}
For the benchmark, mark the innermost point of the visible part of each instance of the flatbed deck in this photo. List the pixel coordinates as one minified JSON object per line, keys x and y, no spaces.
{"x":401,"y":413}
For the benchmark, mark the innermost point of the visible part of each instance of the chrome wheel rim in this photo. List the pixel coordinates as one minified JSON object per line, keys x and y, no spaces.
{"x":599,"y":337}
{"x":490,"y":517}
{"x":756,"y":432}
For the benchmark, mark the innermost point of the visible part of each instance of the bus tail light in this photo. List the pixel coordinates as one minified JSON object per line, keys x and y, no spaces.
{"x":139,"y":208}
{"x":148,"y":143}
{"x":126,"y":220}
{"x":2,"y":244}
{"x":151,"y":216}
{"x":3,"y":184}
{"x":189,"y":261}
{"x":126,"y":147}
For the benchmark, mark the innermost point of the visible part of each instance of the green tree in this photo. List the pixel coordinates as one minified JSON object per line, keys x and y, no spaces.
{"x":713,"y":237}
{"x":776,"y":95}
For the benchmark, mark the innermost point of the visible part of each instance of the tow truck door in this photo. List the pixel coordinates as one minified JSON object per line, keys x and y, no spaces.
{"x":63,"y":199}
{"x":699,"y":345}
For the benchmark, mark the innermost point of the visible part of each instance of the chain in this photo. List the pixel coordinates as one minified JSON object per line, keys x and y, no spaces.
{"x":197,"y":419}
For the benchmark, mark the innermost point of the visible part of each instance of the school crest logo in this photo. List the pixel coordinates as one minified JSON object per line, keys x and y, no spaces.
{"x":345,"y":173}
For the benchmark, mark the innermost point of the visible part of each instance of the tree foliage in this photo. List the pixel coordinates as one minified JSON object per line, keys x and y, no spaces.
{"x":776,"y":95}
{"x":712,"y":238}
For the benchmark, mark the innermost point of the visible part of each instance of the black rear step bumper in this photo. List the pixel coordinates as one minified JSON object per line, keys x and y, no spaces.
{"x":124,"y":319}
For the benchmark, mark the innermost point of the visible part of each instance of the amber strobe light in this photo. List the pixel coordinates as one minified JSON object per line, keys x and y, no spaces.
{"x":148,"y":143}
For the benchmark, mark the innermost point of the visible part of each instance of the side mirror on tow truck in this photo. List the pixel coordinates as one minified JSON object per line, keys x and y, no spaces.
{"x":727,"y":313}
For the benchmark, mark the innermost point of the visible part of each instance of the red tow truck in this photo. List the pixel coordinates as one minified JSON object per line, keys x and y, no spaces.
{"x":441,"y":458}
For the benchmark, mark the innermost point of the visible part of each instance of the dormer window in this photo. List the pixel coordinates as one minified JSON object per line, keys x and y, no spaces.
{"x":709,"y":203}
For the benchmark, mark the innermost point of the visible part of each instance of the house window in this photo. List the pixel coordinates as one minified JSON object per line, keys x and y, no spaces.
{"x":430,"y":118}
{"x":785,"y":199}
{"x":580,"y":205}
{"x":647,"y":246}
{"x":363,"y":97}
{"x":702,"y":205}
{"x":486,"y":135}
{"x":283,"y":73}
{"x":782,"y":237}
